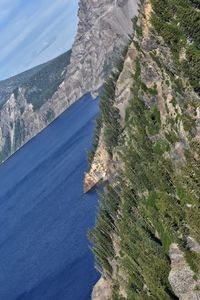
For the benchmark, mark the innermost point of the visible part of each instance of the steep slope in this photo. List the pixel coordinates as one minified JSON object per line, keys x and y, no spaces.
{"x":104,"y":27}
{"x":103,"y":30}
{"x":147,"y":237}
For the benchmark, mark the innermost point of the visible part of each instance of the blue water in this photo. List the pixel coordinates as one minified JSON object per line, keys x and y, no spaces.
{"x":44,"y":215}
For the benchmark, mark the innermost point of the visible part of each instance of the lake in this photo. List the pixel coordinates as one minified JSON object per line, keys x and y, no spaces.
{"x":44,"y":215}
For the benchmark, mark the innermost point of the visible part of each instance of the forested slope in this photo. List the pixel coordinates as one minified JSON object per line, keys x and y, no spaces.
{"x":147,"y":234}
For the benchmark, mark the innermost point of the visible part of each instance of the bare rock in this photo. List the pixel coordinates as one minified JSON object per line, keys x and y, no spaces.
{"x":181,"y":276}
{"x":104,"y":27}
{"x":102,"y":290}
{"x":193,"y":245}
{"x":98,"y":170}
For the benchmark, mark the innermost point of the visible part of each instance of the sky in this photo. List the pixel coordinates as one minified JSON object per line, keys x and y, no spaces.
{"x":33,"y":32}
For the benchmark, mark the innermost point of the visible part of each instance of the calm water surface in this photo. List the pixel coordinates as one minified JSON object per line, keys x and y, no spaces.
{"x":44,"y":216}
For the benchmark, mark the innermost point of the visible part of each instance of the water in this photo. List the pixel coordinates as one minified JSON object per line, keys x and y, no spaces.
{"x":44,"y":216}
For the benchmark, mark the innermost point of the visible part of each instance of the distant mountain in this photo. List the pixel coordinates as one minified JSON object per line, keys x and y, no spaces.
{"x":43,"y":83}
{"x":51,"y":69}
{"x":8,"y":85}
{"x":22,"y":96}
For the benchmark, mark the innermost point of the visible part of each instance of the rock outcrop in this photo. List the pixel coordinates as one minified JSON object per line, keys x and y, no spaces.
{"x":98,"y":169}
{"x":193,"y":245}
{"x":103,"y":29}
{"x":181,"y":277}
{"x":102,"y":290}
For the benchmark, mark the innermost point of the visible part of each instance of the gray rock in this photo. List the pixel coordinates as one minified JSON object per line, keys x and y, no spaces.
{"x":150,"y":44}
{"x":193,"y":245}
{"x":181,"y":277}
{"x":104,"y":28}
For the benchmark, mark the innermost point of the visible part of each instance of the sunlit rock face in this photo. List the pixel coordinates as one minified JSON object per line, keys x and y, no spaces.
{"x":104,"y":27}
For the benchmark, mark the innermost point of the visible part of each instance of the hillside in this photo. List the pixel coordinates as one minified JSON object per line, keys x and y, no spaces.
{"x":147,"y":146}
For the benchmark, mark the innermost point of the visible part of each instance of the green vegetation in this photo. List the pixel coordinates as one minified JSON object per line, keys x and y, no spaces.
{"x":153,"y":199}
{"x":96,"y":137}
{"x":18,"y":134}
{"x":16,"y":92}
{"x":42,"y":85}
{"x":7,"y":147}
{"x":178,"y":22}
{"x":153,"y":210}
{"x":110,"y":115}
{"x":50,"y":116}
{"x":105,"y":224}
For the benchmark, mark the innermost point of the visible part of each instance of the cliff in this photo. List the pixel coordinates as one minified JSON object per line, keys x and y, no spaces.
{"x":26,"y":108}
{"x":104,"y":28}
{"x":146,"y":240}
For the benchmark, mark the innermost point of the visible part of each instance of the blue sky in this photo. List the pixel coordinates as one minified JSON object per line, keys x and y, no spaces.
{"x":34,"y":31}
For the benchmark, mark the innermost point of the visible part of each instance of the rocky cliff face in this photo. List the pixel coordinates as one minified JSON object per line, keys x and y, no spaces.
{"x":146,"y":239}
{"x":103,"y":30}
